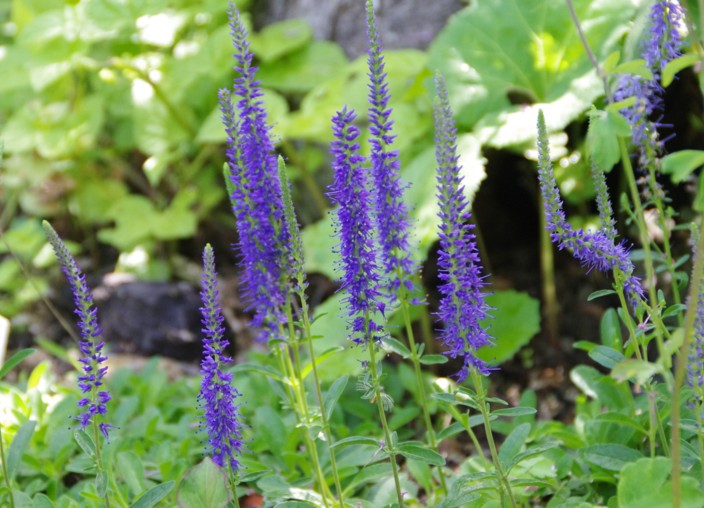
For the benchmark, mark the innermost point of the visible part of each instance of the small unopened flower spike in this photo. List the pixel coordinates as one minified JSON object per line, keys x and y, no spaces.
{"x":220,"y":418}
{"x":390,"y":211}
{"x":462,"y":306}
{"x":93,"y":405}
{"x":594,"y":249}
{"x":256,"y":194}
{"x":349,"y":192}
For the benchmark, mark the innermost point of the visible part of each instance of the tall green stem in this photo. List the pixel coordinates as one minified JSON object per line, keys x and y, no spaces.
{"x":547,"y":269}
{"x":319,"y":394}
{"x":291,"y":381}
{"x":505,"y":485}
{"x":302,"y":407}
{"x":681,"y":367}
{"x":5,"y":474}
{"x":379,"y":396}
{"x":415,"y":359}
{"x":99,"y":457}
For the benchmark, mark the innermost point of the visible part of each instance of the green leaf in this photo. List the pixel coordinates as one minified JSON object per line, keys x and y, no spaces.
{"x":152,"y":496}
{"x":674,"y":66}
{"x":638,"y":67}
{"x":85,"y":441}
{"x":513,"y":444}
{"x":303,"y":70}
{"x":320,"y":358}
{"x":421,"y":453}
{"x":131,"y":471}
{"x":610,"y":330}
{"x":370,"y":473}
{"x":605,"y":129}
{"x":433,"y":359}
{"x":514,"y":411}
{"x":646,"y":483}
{"x":605,"y":356}
{"x":513,"y":322}
{"x":14,"y":360}
{"x":203,"y":486}
{"x":18,"y":446}
{"x":611,"y":457}
{"x":333,"y":395}
{"x":397,"y":347}
{"x":356,"y":440}
{"x":604,"y":389}
{"x":600,"y":293}
{"x":449,"y":431}
{"x":680,"y":165}
{"x":487,"y":59}
{"x":279,"y":39}
{"x":640,"y":370}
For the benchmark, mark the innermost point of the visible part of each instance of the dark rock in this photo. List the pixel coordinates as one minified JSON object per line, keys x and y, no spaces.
{"x":150,"y":318}
{"x":402,"y":23}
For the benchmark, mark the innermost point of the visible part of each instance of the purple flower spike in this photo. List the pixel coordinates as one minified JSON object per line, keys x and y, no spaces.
{"x":462,"y":306}
{"x":94,"y":403}
{"x":217,"y":396}
{"x":357,"y":251}
{"x":663,"y":44}
{"x":257,"y":202}
{"x":593,"y":249}
{"x":391,"y":213}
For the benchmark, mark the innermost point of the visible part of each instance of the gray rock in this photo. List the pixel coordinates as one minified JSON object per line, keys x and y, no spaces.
{"x":402,"y":23}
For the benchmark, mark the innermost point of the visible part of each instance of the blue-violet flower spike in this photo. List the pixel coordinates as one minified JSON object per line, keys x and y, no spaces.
{"x":257,"y":202}
{"x":221,"y":418}
{"x":593,"y":249}
{"x":462,"y":305}
{"x":349,"y":192}
{"x":93,"y":405}
{"x":390,"y":211}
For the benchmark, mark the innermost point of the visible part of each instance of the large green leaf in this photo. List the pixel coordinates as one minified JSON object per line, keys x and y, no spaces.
{"x":645,"y":483}
{"x":514,"y":320}
{"x":505,"y":59}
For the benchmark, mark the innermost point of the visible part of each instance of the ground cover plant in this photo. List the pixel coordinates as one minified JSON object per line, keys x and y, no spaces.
{"x":340,"y":405}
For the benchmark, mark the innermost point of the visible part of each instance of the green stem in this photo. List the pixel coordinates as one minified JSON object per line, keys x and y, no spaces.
{"x":655,"y":422}
{"x":5,"y":474}
{"x":99,"y":457}
{"x":681,"y":367}
{"x":319,"y":394}
{"x":547,"y":269}
{"x":645,"y":242}
{"x":308,"y":180}
{"x":378,"y":395}
{"x":505,"y":485}
{"x":302,"y":407}
{"x":233,"y":486}
{"x":415,"y":359}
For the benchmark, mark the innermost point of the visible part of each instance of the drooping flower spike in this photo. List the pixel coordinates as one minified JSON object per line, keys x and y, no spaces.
{"x":256,"y":194}
{"x":220,"y":417}
{"x":389,"y":209}
{"x":462,"y":306}
{"x":93,"y":406}
{"x":360,"y":278}
{"x":593,"y":249}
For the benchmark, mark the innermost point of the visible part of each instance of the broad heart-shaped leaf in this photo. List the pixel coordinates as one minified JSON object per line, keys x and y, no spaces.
{"x":496,"y":51}
{"x":646,"y":483}
{"x":514,"y":320}
{"x":203,"y":486}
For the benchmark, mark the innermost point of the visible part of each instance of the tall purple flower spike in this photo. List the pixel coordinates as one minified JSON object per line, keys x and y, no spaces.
{"x":462,"y":306}
{"x":257,"y":203}
{"x":357,"y":250}
{"x":220,"y":418}
{"x":390,"y":211}
{"x":94,"y":403}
